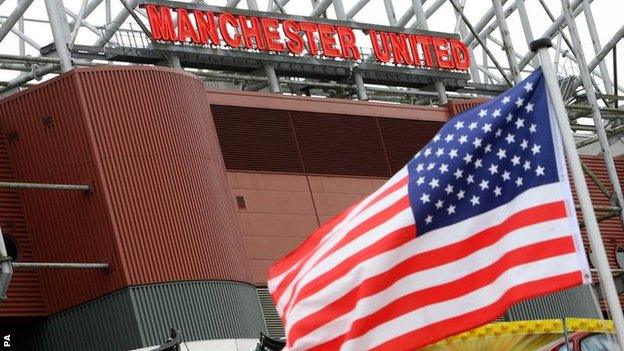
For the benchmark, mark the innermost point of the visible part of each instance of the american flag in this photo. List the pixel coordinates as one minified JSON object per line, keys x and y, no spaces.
{"x":480,"y":218}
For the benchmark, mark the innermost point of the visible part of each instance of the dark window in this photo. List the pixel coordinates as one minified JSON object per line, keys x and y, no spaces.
{"x":11,"y":247}
{"x":240,"y":202}
{"x":47,"y":121}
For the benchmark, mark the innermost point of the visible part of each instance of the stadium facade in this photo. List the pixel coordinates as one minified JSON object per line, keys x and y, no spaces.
{"x":135,"y":199}
{"x":193,"y":194}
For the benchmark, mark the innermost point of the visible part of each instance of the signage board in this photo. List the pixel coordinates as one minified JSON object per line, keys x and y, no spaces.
{"x":186,"y":25}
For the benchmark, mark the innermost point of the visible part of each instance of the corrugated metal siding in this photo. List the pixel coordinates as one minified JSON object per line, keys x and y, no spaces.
{"x":161,"y":208}
{"x":257,"y":139}
{"x":611,"y":230}
{"x":141,"y":316}
{"x":458,"y":106}
{"x":200,"y":309}
{"x":25,"y":295}
{"x":63,"y":226}
{"x":108,"y":323}
{"x":271,"y":317}
{"x":576,"y":302}
{"x":163,"y":174}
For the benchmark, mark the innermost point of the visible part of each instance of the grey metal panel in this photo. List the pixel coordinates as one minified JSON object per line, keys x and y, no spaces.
{"x":199,"y":309}
{"x":141,"y":316}
{"x":107,"y":323}
{"x":271,"y":317}
{"x":576,"y":302}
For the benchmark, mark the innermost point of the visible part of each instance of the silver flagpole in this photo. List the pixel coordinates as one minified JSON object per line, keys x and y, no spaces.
{"x":589,"y":217}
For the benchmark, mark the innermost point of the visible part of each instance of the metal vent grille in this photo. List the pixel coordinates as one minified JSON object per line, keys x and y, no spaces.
{"x":256,"y":139}
{"x":576,"y":302}
{"x":403,"y":138}
{"x":271,"y":318}
{"x":340,"y":144}
{"x":459,"y":106}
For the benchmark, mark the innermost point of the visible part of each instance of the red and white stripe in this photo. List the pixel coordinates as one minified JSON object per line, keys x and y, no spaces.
{"x":366,"y":281}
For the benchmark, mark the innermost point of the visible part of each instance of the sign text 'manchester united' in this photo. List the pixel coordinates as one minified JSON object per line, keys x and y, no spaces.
{"x":273,"y":35}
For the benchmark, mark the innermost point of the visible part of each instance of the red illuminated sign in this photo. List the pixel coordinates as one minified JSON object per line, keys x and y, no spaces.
{"x":302,"y":38}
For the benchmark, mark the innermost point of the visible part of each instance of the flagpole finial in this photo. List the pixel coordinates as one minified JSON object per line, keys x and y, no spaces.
{"x":540,"y":43}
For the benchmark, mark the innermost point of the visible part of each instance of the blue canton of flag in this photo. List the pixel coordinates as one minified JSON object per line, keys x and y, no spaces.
{"x":484,"y":158}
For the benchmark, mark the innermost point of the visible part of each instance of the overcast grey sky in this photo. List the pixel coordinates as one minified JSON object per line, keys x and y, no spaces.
{"x":607,"y":14}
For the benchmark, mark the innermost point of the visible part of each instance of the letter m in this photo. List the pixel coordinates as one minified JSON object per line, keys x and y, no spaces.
{"x":161,"y":22}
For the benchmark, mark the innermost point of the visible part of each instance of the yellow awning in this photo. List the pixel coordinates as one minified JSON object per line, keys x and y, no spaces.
{"x":519,"y":336}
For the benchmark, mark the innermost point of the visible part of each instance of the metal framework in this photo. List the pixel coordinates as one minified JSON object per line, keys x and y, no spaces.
{"x":104,"y":32}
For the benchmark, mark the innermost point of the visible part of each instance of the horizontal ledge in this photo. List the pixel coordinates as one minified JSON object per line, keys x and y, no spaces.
{"x":55,"y":265}
{"x":601,"y":208}
{"x":613,"y":270}
{"x":16,"y":185}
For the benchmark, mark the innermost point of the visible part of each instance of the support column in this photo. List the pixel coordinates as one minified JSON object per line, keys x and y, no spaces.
{"x":526,"y":27}
{"x":485,"y":32}
{"x":60,"y":32}
{"x":390,"y":12}
{"x":577,"y":49}
{"x":487,"y":17}
{"x":463,"y":31}
{"x":20,"y":26}
{"x":616,"y":102}
{"x":359,"y":84}
{"x":421,"y":23}
{"x":14,"y":17}
{"x":605,"y":49}
{"x":174,"y":61}
{"x":107,"y":8}
{"x":474,"y":70}
{"x":339,"y":9}
{"x":252,"y":5}
{"x":507,"y":45}
{"x":557,"y":25}
{"x":93,"y":4}
{"x":441,"y":90}
{"x":78,"y":23}
{"x":320,"y":8}
{"x":356,"y":8}
{"x":593,"y":34}
{"x":232,"y":3}
{"x":273,"y":81}
{"x":114,"y":25}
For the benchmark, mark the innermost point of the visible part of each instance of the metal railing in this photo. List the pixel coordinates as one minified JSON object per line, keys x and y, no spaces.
{"x":6,"y":264}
